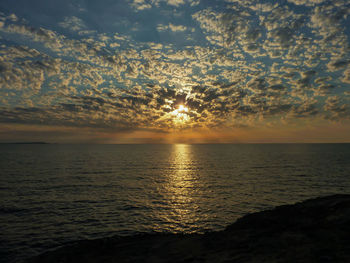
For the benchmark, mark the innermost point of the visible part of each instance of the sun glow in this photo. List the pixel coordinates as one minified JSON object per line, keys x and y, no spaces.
{"x":182,"y":108}
{"x":181,"y":114}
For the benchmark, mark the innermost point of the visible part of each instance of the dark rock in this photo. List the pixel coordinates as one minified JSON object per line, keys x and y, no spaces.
{"x":316,"y":230}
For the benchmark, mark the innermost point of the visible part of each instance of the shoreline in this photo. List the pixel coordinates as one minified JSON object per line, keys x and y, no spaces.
{"x":314,"y":230}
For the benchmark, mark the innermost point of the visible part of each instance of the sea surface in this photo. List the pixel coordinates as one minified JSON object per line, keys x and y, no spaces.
{"x":54,"y":194}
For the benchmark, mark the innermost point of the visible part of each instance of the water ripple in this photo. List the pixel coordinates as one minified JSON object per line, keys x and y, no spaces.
{"x":54,"y":194}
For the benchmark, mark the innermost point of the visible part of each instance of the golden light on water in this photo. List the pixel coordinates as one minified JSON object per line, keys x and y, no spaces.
{"x":181,"y":186}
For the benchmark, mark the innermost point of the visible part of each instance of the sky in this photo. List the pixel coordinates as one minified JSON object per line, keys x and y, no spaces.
{"x":174,"y":71}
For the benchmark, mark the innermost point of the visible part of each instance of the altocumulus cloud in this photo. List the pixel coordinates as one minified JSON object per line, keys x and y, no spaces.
{"x":231,"y":63}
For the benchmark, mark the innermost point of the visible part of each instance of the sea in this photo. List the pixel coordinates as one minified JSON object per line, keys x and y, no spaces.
{"x":53,"y":194}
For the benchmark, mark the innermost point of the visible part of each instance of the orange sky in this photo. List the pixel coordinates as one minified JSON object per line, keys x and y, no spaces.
{"x":322,"y":133}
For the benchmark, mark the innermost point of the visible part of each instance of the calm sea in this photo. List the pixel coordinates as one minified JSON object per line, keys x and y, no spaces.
{"x":54,"y":194}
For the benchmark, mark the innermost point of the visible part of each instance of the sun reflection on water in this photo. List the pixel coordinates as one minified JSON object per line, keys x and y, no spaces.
{"x":181,"y":189}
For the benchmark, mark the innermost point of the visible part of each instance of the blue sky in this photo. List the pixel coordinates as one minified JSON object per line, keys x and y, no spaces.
{"x":118,"y":71}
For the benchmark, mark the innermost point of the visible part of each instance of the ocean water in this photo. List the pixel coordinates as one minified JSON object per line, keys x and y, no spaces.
{"x":54,"y":194}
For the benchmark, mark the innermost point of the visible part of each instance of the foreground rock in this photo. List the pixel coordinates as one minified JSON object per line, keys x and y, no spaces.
{"x":316,"y":230}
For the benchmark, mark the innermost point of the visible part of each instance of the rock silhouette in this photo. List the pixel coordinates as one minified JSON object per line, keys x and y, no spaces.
{"x":316,"y":230}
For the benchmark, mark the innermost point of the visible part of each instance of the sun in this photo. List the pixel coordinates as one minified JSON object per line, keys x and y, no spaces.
{"x":182,"y":108}
{"x":180,"y":114}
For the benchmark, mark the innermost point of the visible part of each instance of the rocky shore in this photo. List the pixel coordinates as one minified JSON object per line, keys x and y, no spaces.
{"x":316,"y":230}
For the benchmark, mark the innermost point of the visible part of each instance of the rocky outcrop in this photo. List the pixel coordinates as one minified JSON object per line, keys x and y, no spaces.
{"x":316,"y":230}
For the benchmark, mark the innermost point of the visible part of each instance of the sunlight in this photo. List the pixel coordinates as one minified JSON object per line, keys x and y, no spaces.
{"x":180,"y":115}
{"x":182,"y":108}
{"x":182,"y":185}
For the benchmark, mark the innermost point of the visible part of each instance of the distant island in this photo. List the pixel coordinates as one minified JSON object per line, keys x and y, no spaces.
{"x":25,"y":143}
{"x":316,"y":230}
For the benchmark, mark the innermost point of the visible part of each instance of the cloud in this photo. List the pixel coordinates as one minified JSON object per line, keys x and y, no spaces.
{"x":263,"y":7}
{"x":140,"y":5}
{"x":222,"y":28}
{"x":175,"y":2}
{"x":335,"y":109}
{"x":247,"y":64}
{"x":306,"y":2}
{"x":73,"y":23}
{"x":177,"y":28}
{"x":305,"y":109}
{"x":327,"y":22}
{"x":144,"y":4}
{"x":171,"y":27}
{"x":13,"y":18}
{"x":346,"y":76}
{"x":338,"y":64}
{"x":195,"y":2}
{"x":324,"y":89}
